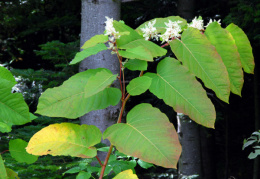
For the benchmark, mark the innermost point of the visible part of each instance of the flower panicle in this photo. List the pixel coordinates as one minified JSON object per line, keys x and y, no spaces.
{"x":150,"y":31}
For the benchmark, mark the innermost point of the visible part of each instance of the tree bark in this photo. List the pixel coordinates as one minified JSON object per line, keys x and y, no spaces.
{"x":92,"y":23}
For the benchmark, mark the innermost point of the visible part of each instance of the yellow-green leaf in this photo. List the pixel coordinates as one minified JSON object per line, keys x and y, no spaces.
{"x":3,"y":174}
{"x":11,"y":174}
{"x":127,"y":174}
{"x":138,"y":85}
{"x":65,"y":139}
{"x":95,"y":40}
{"x":139,"y":52}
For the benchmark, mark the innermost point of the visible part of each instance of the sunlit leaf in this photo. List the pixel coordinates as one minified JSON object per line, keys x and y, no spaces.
{"x":227,"y":49}
{"x":68,"y":100}
{"x":3,"y":174}
{"x":6,"y":78}
{"x":196,"y":52}
{"x":139,"y":52}
{"x":148,"y":135}
{"x":244,"y":48}
{"x":135,"y":64}
{"x":95,"y":40}
{"x":138,"y":85}
{"x":127,"y":174}
{"x":5,"y":127}
{"x":18,"y":152}
{"x":88,"y":52}
{"x":65,"y":139}
{"x":179,"y":89}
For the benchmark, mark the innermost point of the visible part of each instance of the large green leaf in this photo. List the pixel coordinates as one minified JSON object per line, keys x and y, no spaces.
{"x":138,"y":85}
{"x":200,"y":56}
{"x":127,"y":174}
{"x":95,"y":40}
{"x":6,"y":78}
{"x":135,"y":64}
{"x":244,"y":48}
{"x":227,"y":49}
{"x":68,"y":100}
{"x":160,"y":23}
{"x":154,"y":49}
{"x":65,"y":139}
{"x":139,"y":52}
{"x":179,"y":89}
{"x":3,"y":174}
{"x":148,"y":135}
{"x":18,"y":152}
{"x":5,"y":127}
{"x":88,"y":52}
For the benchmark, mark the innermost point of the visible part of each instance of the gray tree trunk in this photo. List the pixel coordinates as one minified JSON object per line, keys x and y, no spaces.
{"x":92,"y":23}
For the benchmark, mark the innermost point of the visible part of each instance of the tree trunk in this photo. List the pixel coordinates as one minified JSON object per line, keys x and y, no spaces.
{"x":92,"y":23}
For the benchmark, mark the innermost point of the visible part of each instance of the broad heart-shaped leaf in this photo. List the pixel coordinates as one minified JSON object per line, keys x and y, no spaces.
{"x":18,"y":152}
{"x":125,"y":39}
{"x":139,"y":52}
{"x":127,"y":174}
{"x":154,"y":49}
{"x":244,"y":48}
{"x":179,"y":89}
{"x":68,"y":100}
{"x":138,"y":85}
{"x":147,"y":135}
{"x":88,"y":52}
{"x":6,"y":78}
{"x":135,"y":64}
{"x":65,"y":139}
{"x":160,"y":23}
{"x":227,"y":49}
{"x":99,"y":82}
{"x":3,"y":174}
{"x":95,"y":40}
{"x":200,"y":56}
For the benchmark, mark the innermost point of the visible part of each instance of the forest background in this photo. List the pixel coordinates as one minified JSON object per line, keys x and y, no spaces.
{"x":38,"y":38}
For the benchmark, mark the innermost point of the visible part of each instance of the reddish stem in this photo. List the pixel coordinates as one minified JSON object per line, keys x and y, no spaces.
{"x":105,"y":163}
{"x":4,"y":152}
{"x":99,"y":161}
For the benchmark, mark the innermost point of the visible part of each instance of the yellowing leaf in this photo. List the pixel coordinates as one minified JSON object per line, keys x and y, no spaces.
{"x":65,"y":139}
{"x":127,"y":174}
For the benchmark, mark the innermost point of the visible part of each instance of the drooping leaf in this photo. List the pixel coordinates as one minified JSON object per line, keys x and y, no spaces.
{"x":5,"y":127}
{"x":154,"y":49}
{"x":95,"y":40}
{"x":138,"y":85}
{"x":179,"y":89}
{"x":227,"y":49}
{"x":99,"y":82}
{"x":6,"y":78}
{"x":139,"y":52}
{"x":144,"y":165}
{"x":127,"y":174}
{"x":148,"y":135}
{"x":18,"y":152}
{"x":244,"y":48}
{"x":11,"y":174}
{"x":125,"y":39}
{"x":65,"y":139}
{"x":83,"y":175}
{"x":88,"y":52}
{"x":135,"y":64}
{"x":196,"y":52}
{"x":68,"y":99}
{"x":3,"y":174}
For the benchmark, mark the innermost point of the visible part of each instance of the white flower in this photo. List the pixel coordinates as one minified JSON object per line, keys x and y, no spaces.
{"x":196,"y":23}
{"x":150,"y":31}
{"x":110,"y":30}
{"x":172,"y":31}
{"x":210,"y":21}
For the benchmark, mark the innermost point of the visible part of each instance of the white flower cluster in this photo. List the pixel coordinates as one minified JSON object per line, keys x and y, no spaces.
{"x":196,"y":23}
{"x":210,"y":21}
{"x":150,"y":31}
{"x":110,"y":30}
{"x":172,"y":31}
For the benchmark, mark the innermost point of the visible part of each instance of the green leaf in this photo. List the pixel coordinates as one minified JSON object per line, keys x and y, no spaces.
{"x":68,"y":100}
{"x":18,"y":152}
{"x":88,"y":52}
{"x":139,"y":52}
{"x":154,"y":49}
{"x":99,"y":82}
{"x":72,"y":170}
{"x":160,"y":23}
{"x":124,"y":39}
{"x":83,"y":175}
{"x":95,"y":40}
{"x":179,"y":89}
{"x":139,"y":85}
{"x":6,"y":78}
{"x":135,"y":64}
{"x":227,"y":49}
{"x":244,"y":48}
{"x":148,"y":135}
{"x":65,"y":139}
{"x":127,"y":174}
{"x":195,"y":51}
{"x":3,"y":174}
{"x":11,"y":174}
{"x":4,"y":128}
{"x":144,"y":165}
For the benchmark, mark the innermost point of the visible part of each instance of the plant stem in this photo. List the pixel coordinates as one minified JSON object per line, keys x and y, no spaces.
{"x":105,"y":163}
{"x":99,"y":161}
